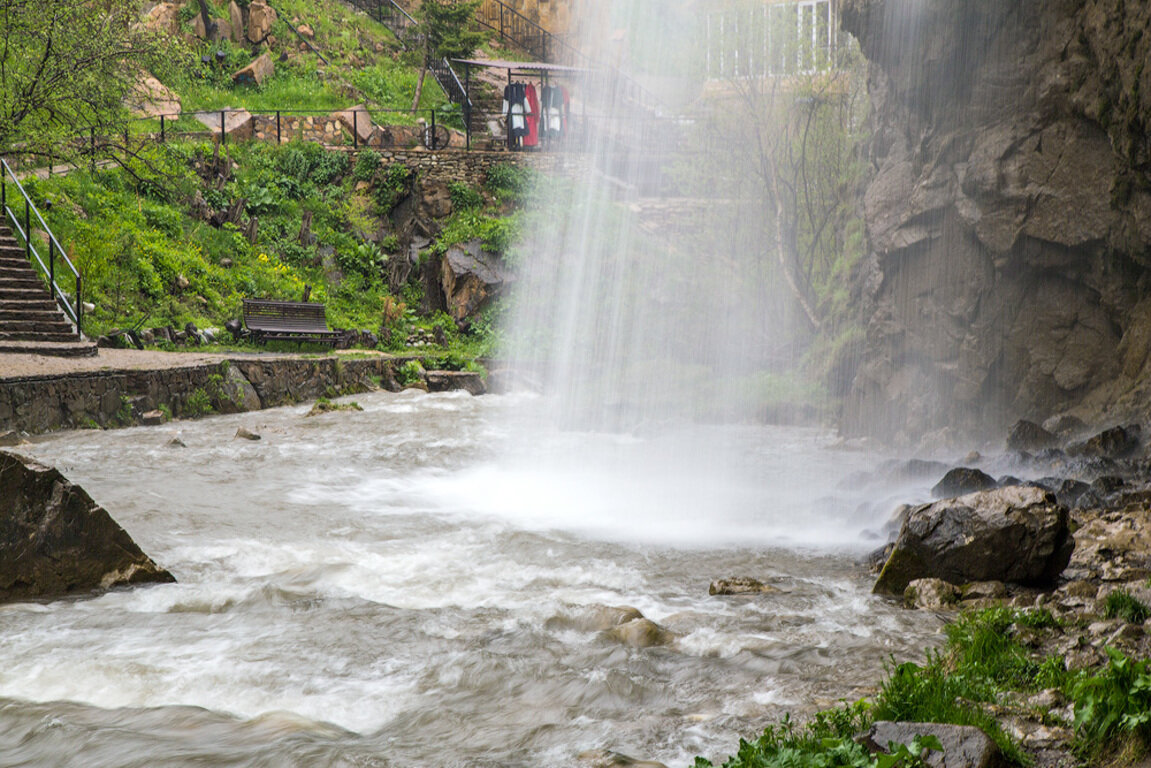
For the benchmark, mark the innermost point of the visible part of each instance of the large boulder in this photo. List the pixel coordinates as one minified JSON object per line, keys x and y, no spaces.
{"x":261,"y":16}
{"x":151,"y":98}
{"x":469,"y":277}
{"x":1015,"y":534}
{"x":164,"y":18}
{"x":237,"y":123}
{"x":54,"y":540}
{"x":256,"y":73}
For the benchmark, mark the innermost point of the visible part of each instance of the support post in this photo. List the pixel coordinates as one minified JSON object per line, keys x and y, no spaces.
{"x":162,"y":137}
{"x":51,"y":266}
{"x":278,"y":139}
{"x":433,"y":146}
{"x":27,"y":229}
{"x":355,"y":129}
{"x":468,"y":106}
{"x":79,"y":305}
{"x":223,"y":133}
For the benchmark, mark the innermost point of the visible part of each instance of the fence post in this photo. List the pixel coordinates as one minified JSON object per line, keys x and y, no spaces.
{"x":79,"y":305}
{"x":27,"y":229}
{"x":278,"y":139}
{"x":223,"y":133}
{"x":433,"y":146}
{"x":355,"y":129}
{"x":51,"y":266}
{"x":162,"y":137}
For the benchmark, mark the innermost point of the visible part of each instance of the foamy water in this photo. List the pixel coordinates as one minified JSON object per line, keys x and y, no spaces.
{"x":402,"y":586}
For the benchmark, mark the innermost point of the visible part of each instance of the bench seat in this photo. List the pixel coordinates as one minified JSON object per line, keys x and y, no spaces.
{"x":273,"y":320}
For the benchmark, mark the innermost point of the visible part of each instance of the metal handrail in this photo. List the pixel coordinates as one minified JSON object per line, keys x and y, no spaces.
{"x":394,"y":17}
{"x":74,"y":313}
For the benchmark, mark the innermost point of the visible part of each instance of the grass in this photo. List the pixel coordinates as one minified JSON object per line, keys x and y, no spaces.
{"x":981,"y":664}
{"x":1121,"y":604}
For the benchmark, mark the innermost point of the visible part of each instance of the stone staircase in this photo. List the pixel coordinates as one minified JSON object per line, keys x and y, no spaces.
{"x":30,"y":320}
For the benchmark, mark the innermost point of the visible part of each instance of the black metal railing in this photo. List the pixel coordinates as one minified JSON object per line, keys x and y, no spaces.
{"x":73,"y":308}
{"x":519,"y":30}
{"x":401,"y":23}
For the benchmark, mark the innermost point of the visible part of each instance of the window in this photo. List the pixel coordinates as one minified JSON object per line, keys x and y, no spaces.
{"x":762,"y":39}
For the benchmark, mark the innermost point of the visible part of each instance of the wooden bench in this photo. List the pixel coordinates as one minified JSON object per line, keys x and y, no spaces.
{"x":270,"y":320}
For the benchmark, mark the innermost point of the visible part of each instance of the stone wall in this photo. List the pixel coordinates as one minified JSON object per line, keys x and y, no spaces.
{"x":1009,"y":215}
{"x":121,"y":398}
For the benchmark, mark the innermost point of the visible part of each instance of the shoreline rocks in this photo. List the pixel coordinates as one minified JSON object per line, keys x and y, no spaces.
{"x":56,"y":541}
{"x":1016,"y":534}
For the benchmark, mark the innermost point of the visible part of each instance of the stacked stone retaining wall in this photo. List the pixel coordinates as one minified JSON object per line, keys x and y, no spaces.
{"x":120,"y":398}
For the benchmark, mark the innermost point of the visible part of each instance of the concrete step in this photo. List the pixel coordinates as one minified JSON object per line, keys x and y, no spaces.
{"x":38,"y":303}
{"x":38,"y":314}
{"x":22,"y":293}
{"x":53,"y":324}
{"x":7,"y":273}
{"x":70,"y":348}
{"x":31,"y":282}
{"x":33,"y":336}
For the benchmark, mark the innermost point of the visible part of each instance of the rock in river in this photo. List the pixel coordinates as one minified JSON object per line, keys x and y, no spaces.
{"x":1016,"y":534}
{"x":54,"y":540}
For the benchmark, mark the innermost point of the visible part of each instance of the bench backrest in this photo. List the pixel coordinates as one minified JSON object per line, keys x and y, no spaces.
{"x":269,"y":315}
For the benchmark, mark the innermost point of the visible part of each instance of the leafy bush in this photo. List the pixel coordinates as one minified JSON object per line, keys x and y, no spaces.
{"x":366,"y":165}
{"x":395,"y":186}
{"x":1116,"y":700}
{"x":410,"y":373}
{"x":509,"y":183}
{"x":464,"y":196}
{"x":826,"y":742}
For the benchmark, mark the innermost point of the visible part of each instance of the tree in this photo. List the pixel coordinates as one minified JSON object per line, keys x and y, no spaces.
{"x":66,"y":66}
{"x":446,"y":29}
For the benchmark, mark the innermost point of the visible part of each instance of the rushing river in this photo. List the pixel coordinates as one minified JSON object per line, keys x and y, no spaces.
{"x":402,"y":586}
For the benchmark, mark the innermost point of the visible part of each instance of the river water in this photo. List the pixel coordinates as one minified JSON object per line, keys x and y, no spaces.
{"x":404,"y":586}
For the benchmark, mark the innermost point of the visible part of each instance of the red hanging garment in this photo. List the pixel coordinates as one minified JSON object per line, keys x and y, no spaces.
{"x":533,"y":118}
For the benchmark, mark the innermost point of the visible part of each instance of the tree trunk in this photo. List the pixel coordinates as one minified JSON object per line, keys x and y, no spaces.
{"x":781,"y":249}
{"x":209,"y":24}
{"x":419,"y":89}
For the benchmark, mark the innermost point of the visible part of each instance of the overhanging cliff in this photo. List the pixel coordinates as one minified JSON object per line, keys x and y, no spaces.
{"x":1009,"y":214}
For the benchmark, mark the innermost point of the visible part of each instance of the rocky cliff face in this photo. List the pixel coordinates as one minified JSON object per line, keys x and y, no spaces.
{"x":1009,"y":214}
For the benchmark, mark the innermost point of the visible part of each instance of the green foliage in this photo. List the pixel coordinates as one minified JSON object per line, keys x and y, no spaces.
{"x":198,"y":404}
{"x":1117,"y":700}
{"x":1121,"y":604}
{"x":411,"y":372}
{"x":450,"y":28}
{"x":464,"y":196}
{"x":67,"y":65}
{"x":366,"y":165}
{"x":509,"y":182}
{"x":826,"y":742}
{"x":393,"y":188}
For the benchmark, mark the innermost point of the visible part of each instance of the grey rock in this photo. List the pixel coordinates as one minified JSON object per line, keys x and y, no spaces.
{"x":244,"y":434}
{"x":963,"y":480}
{"x":1017,"y":534}
{"x":1029,"y":436}
{"x":931,"y":595}
{"x":964,"y":746}
{"x":740,"y":586}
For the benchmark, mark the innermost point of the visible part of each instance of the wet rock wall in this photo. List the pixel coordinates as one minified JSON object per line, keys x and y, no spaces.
{"x":1008,"y":215}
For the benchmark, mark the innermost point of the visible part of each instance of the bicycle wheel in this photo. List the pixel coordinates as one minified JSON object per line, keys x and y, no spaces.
{"x":437,"y":138}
